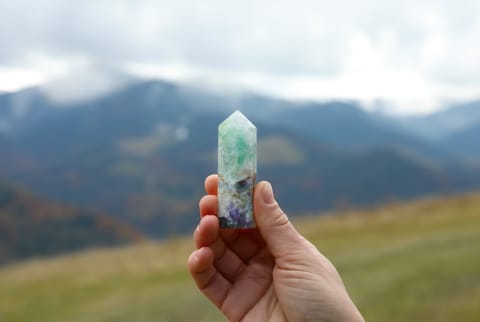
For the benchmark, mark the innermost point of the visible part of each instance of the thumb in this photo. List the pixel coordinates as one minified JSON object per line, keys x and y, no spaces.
{"x":273,"y":224}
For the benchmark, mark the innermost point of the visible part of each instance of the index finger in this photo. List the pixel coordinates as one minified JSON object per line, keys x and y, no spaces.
{"x":211,"y":184}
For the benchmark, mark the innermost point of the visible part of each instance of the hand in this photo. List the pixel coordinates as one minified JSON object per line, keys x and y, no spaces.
{"x":270,"y":273}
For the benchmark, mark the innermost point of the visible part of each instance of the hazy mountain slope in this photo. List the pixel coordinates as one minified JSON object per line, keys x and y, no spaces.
{"x":389,"y":258}
{"x":157,"y":187}
{"x":465,"y":142}
{"x":30,"y":226}
{"x":318,"y":176}
{"x":343,"y":124}
{"x":142,"y":154}
{"x":440,"y":125}
{"x":455,"y":129}
{"x":346,"y":125}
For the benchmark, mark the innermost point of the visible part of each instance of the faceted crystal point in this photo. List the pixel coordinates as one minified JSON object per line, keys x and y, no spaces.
{"x":237,"y":169}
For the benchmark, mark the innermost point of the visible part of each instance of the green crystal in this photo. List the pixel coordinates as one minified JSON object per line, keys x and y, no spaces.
{"x":237,"y":169}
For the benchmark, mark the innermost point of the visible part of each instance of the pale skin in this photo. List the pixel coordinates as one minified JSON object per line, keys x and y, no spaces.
{"x":271,"y":273}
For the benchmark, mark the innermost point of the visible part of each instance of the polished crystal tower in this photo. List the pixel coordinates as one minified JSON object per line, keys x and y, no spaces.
{"x":237,"y":168}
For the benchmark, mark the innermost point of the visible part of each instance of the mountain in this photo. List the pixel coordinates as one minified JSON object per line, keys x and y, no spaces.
{"x":339,"y":123}
{"x":465,"y":143}
{"x":31,"y":226}
{"x":440,"y":125}
{"x":142,"y":153}
{"x":309,"y":175}
{"x":342,"y":124}
{"x":345,"y":124}
{"x":456,"y":130}
{"x":20,"y":109}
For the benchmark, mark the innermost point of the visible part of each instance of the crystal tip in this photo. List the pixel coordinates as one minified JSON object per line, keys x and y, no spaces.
{"x":238,"y":117}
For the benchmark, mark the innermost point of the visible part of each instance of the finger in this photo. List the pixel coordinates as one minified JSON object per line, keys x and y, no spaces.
{"x":245,"y":243}
{"x":195,"y":233}
{"x":241,"y":242}
{"x":279,"y":234}
{"x":207,"y":231}
{"x":225,"y":260}
{"x":206,"y":277}
{"x":208,"y":205}
{"x":211,"y":184}
{"x":256,"y":279}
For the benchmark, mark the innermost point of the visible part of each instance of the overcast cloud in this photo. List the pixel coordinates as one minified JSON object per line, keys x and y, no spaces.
{"x":414,"y":55}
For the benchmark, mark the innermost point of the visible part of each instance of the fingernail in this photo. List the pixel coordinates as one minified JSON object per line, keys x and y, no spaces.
{"x":267,"y":193}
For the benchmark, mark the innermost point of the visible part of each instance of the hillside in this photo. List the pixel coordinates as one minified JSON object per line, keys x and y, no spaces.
{"x":31,"y":226}
{"x":346,"y":125}
{"x":140,"y":152}
{"x":466,"y":142}
{"x":440,"y":125}
{"x":404,"y":262}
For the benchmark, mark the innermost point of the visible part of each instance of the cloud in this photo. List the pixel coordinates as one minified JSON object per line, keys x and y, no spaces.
{"x":412,"y":53}
{"x":86,"y":81}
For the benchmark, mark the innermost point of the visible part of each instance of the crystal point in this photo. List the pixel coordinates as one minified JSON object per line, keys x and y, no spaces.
{"x":237,"y":170}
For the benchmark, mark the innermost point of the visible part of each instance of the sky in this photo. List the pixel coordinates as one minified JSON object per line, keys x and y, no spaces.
{"x":407,"y":57}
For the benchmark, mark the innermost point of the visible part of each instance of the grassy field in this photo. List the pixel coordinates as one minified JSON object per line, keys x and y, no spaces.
{"x":409,"y":262}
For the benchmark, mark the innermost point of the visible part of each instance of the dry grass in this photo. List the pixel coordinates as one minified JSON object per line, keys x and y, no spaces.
{"x":408,"y":262}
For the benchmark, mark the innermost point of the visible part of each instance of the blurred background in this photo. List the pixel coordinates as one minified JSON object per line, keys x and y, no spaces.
{"x":368,"y":118}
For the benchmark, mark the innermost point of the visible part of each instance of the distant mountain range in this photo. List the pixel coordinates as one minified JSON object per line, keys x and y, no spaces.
{"x":455,"y":129}
{"x":141,"y":153}
{"x":30,"y":226}
{"x":442,"y":124}
{"x":465,"y":143}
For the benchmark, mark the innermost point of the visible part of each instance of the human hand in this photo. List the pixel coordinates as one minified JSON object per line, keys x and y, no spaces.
{"x":270,"y":273}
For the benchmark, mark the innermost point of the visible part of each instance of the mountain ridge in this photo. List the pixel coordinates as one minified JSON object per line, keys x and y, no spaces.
{"x":31,"y":226}
{"x":141,"y":154}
